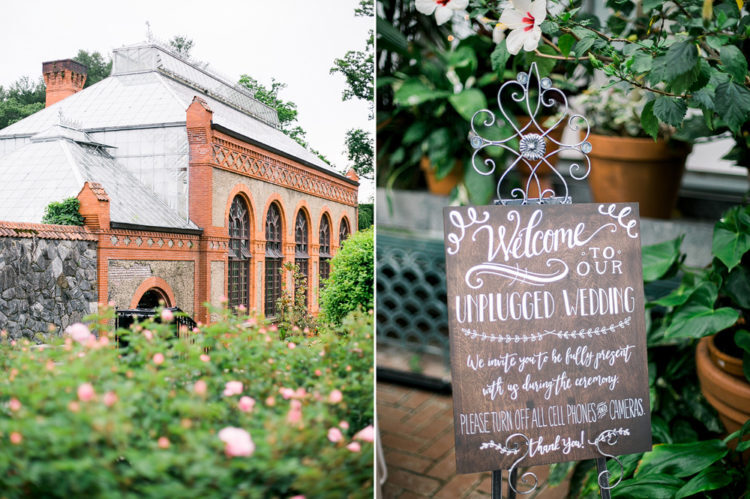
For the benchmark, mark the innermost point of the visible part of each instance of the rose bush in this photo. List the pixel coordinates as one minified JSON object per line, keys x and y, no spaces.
{"x":203,"y":415}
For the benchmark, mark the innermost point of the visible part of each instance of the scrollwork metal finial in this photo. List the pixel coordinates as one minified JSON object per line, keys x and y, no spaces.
{"x":532,"y":147}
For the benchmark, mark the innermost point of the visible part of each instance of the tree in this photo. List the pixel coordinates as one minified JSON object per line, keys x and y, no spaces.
{"x":182,"y":45}
{"x":23,"y":98}
{"x":359,"y":146}
{"x":97,"y":67}
{"x":358,"y":68}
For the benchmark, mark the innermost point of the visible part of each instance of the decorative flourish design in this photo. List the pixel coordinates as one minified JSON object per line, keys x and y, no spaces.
{"x":610,"y":438}
{"x":513,"y":450}
{"x":565,"y":335}
{"x":506,"y":451}
{"x":532,"y":150}
{"x":516,"y":273}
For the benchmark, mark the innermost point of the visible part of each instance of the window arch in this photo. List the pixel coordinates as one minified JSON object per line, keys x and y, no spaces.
{"x":344,"y":231}
{"x":274,"y":258}
{"x":301,"y":249}
{"x":325,"y":248}
{"x":239,"y":253}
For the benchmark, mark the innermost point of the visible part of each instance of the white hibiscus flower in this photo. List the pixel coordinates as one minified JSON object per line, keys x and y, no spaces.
{"x":523,"y":19}
{"x":443,"y":9}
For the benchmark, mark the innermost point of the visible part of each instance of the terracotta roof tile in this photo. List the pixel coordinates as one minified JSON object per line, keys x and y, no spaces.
{"x":98,"y":191}
{"x":46,"y":231}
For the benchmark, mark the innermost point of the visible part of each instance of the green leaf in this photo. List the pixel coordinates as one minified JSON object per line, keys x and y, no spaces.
{"x":658,"y":258}
{"x":565,"y":43}
{"x":732,"y":103}
{"x":655,"y":486}
{"x":704,"y":97}
{"x":649,"y":122}
{"x":712,"y":478}
{"x":415,"y":133}
{"x":676,"y":297}
{"x":681,"y":57}
{"x":670,"y":110}
{"x":544,"y":64}
{"x":731,"y":238}
{"x":582,"y":46}
{"x":697,"y":317}
{"x":649,"y":5}
{"x":481,"y":187}
{"x":680,"y":460}
{"x":734,"y":62}
{"x":413,"y":93}
{"x":468,"y":102}
{"x":390,"y":38}
{"x":737,"y":286}
{"x":499,"y":57}
{"x":642,"y":62}
{"x":742,"y":338}
{"x":549,"y":27}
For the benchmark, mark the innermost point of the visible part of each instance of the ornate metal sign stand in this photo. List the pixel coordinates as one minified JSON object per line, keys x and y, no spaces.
{"x":532,"y":152}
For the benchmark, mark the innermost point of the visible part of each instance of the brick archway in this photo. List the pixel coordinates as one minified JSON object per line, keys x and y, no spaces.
{"x":154,"y":283}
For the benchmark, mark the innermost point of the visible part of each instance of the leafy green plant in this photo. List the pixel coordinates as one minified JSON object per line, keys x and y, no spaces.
{"x":292,"y":316}
{"x":351,"y":283}
{"x":63,"y":212}
{"x":227,"y":410}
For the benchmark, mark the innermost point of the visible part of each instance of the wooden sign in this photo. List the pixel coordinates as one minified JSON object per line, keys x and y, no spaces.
{"x":548,"y":335}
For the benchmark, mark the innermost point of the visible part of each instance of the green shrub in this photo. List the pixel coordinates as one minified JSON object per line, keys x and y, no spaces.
{"x":351,"y":281}
{"x":89,"y":419}
{"x":365,"y":216}
{"x":63,"y":212}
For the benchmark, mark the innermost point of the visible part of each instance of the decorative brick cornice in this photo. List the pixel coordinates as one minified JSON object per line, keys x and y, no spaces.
{"x":231,"y":156}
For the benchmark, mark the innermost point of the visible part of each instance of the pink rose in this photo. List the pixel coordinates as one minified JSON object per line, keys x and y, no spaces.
{"x":291,"y":345}
{"x":86,"y":392}
{"x":15,"y":438}
{"x":300,"y":393}
{"x":274,"y":327}
{"x":74,"y":406}
{"x":110,"y":398}
{"x":79,"y":332}
{"x":148,"y":334}
{"x":354,"y":447}
{"x":270,"y":401}
{"x":334,"y":435}
{"x":287,"y":393}
{"x":296,"y":405}
{"x":297,"y":497}
{"x":344,"y":425}
{"x":366,"y":434}
{"x":335,"y":397}
{"x":200,"y":387}
{"x":232,"y":388}
{"x":241,"y":308}
{"x":237,"y":442}
{"x":252,"y":322}
{"x":318,"y":372}
{"x":205,"y":358}
{"x":14,"y":404}
{"x":158,"y":359}
{"x":163,"y":443}
{"x":167,"y":315}
{"x":294,"y":416}
{"x":246,"y":404}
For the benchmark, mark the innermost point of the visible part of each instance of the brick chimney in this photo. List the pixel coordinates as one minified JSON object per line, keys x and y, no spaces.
{"x":63,"y":78}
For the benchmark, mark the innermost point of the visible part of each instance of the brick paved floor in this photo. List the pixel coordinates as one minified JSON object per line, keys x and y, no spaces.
{"x":416,"y":430}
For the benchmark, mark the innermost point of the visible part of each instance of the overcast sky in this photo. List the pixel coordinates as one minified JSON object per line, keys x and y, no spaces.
{"x":295,"y":41}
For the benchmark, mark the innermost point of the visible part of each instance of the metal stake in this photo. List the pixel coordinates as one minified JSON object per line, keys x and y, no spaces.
{"x":601,"y":470}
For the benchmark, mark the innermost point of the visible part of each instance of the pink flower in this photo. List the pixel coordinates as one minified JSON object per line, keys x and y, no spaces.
{"x":14,"y":404}
{"x":354,"y":447}
{"x":158,"y":359}
{"x":291,"y":345}
{"x":86,"y":392}
{"x":232,"y":388}
{"x":163,"y":443}
{"x":300,"y":393}
{"x":297,"y":497}
{"x":148,"y":334}
{"x":366,"y":434}
{"x":74,"y":406}
{"x":205,"y":358}
{"x":200,"y":387}
{"x":237,"y":442}
{"x":287,"y":393}
{"x":79,"y":332}
{"x":294,"y":416}
{"x":274,"y":327}
{"x":334,"y":435}
{"x":335,"y":397}
{"x":252,"y":321}
{"x":241,"y":308}
{"x":246,"y":404}
{"x":270,"y":401}
{"x":317,"y":372}
{"x":344,"y":425}
{"x":15,"y":438}
{"x":110,"y":398}
{"x":167,"y":315}
{"x":296,"y":405}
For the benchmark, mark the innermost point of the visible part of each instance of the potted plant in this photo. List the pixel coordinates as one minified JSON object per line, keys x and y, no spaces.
{"x":626,"y":164}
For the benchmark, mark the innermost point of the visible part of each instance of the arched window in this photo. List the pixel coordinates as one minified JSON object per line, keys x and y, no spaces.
{"x":153,"y":298}
{"x":274,"y":258}
{"x":344,"y":231}
{"x":301,"y":254}
{"x":325,"y":249}
{"x":239,"y":253}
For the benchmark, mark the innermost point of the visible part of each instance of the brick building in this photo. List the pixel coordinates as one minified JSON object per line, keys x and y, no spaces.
{"x":192,"y":190}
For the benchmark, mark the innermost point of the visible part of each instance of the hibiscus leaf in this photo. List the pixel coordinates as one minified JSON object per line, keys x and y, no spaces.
{"x":565,"y":43}
{"x":499,"y":57}
{"x":642,"y":62}
{"x":734,"y":62}
{"x":681,"y":57}
{"x":670,"y":110}
{"x":649,"y":122}
{"x":732,"y":103}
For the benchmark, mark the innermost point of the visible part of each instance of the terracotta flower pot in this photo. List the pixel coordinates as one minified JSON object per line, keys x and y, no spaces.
{"x":627,"y":169}
{"x":445,"y":185}
{"x":729,"y":395}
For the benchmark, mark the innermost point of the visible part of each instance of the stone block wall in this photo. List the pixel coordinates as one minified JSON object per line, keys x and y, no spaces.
{"x":47,"y":278}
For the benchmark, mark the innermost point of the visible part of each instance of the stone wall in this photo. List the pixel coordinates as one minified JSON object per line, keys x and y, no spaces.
{"x":46,"y":284}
